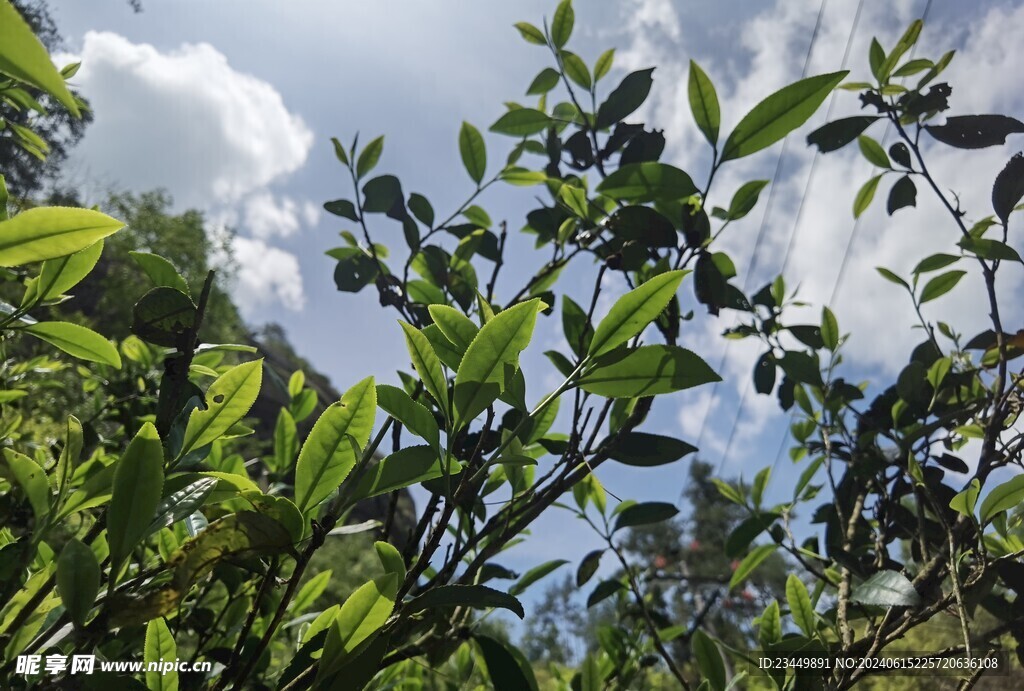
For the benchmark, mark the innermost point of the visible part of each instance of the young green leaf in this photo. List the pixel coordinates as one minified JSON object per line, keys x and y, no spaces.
{"x":535,"y":574}
{"x":521,"y":122}
{"x":634,"y":311}
{"x":779,"y":114}
{"x":78,"y":580}
{"x":1002,"y":497}
{"x":329,"y":452}
{"x":704,"y":103}
{"x":745,"y":199}
{"x":562,"y":23}
{"x":160,"y":271}
{"x":137,"y":488}
{"x":362,"y":615}
{"x":57,"y":276}
{"x":339,"y":151}
{"x":770,"y":626}
{"x":369,"y":157}
{"x":829,"y":329}
{"x":531,"y":33}
{"x":865,"y":195}
{"x":749,"y":563}
{"x":160,"y":647}
{"x":227,"y":401}
{"x":604,"y":64}
{"x":427,"y":365}
{"x":940,"y":285}
{"x":473,"y":152}
{"x":24,"y":57}
{"x":286,"y":441}
{"x":414,"y":416}
{"x":800,"y":606}
{"x":873,"y":152}
{"x":32,"y":479}
{"x":48,"y":232}
{"x":964,"y":502}
{"x":648,"y":371}
{"x":401,"y":469}
{"x":77,"y":341}
{"x":481,"y":376}
{"x":310,"y":591}
{"x":456,"y":327}
{"x":709,"y":660}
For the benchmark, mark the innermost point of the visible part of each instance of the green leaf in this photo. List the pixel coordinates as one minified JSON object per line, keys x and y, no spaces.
{"x":48,"y":232}
{"x":160,"y":271}
{"x":505,"y":670}
{"x":891,"y":277}
{"x":181,"y":503}
{"x":137,"y":488}
{"x":421,"y":209}
{"x":647,"y":182}
{"x":634,"y":311}
{"x":390,"y":559}
{"x":369,"y":157}
{"x":800,"y":606}
{"x":545,"y":81}
{"x":576,"y":69}
{"x":424,"y":359}
{"x":935,"y":262}
{"x":829,"y":329}
{"x":964,"y":502}
{"x":414,"y":416}
{"x":165,"y":316}
{"x":57,"y":276}
{"x":749,"y":563}
{"x":746,"y":532}
{"x":704,"y":103}
{"x":745,"y":199}
{"x":531,"y":33}
{"x":648,"y":371}
{"x":456,"y":327}
{"x":604,"y":64}
{"x":836,"y":134}
{"x":603,"y":591}
{"x":521,"y":122}
{"x":865,"y":195}
{"x":886,"y":589}
{"x":399,"y":470}
{"x":623,"y":101}
{"x":77,"y":341}
{"x":940,"y":285}
{"x":310,"y":591}
{"x":32,"y":479}
{"x":286,"y":441}
{"x":902,"y":195}
{"x":591,"y":678}
{"x":227,"y":401}
{"x":873,"y":152}
{"x":24,"y":57}
{"x":1002,"y":497}
{"x":989,"y":249}
{"x":535,"y":574}
{"x":78,"y":580}
{"x":779,"y":114}
{"x":709,"y":660}
{"x":473,"y":152}
{"x":575,"y":326}
{"x":160,"y":647}
{"x":648,"y":450}
{"x":645,"y":514}
{"x":329,"y":453}
{"x":481,"y":376}
{"x":562,"y":23}
{"x":475,"y":596}
{"x":362,"y":615}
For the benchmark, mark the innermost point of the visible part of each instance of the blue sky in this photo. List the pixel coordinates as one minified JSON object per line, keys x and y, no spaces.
{"x":230,"y":105}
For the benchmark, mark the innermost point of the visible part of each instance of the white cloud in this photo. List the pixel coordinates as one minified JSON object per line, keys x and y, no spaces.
{"x":266,"y":275}
{"x":770,"y":53}
{"x":217,"y":138}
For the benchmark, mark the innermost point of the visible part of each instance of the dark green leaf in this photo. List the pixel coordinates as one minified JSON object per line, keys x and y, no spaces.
{"x":644,"y":225}
{"x":544,"y":82}
{"x":421,"y":209}
{"x":577,"y":329}
{"x":78,"y":580}
{"x":648,"y":371}
{"x":588,"y":567}
{"x":382,"y":195}
{"x":746,"y":532}
{"x":902,"y":194}
{"x":164,"y":316}
{"x":629,"y":95}
{"x":646,"y":182}
{"x":138,"y":484}
{"x":709,"y":660}
{"x":838,"y":133}
{"x":749,"y":563}
{"x":535,"y":574}
{"x":369,"y":157}
{"x":764,"y":374}
{"x":603,"y":591}
{"x":343,"y":208}
{"x":476,"y":596}
{"x":648,"y":450}
{"x":886,"y":589}
{"x":645,"y":514}
{"x":975,"y":131}
{"x":989,"y":249}
{"x":891,"y":277}
{"x":745,"y":199}
{"x":779,"y":114}
{"x":1008,"y":188}
{"x":505,"y":671}
{"x":935,"y":262}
